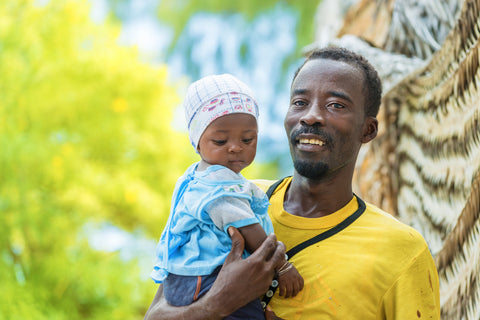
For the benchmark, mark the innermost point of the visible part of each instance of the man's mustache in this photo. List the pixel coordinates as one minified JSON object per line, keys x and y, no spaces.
{"x":312,"y":130}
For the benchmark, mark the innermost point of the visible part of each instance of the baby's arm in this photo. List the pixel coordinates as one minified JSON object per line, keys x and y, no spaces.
{"x":254,"y":236}
{"x":289,"y":280}
{"x":227,"y":211}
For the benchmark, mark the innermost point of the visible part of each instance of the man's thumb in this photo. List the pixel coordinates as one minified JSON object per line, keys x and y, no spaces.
{"x":238,"y":243}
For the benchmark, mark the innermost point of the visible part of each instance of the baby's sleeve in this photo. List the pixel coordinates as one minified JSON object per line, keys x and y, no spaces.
{"x":231,"y":211}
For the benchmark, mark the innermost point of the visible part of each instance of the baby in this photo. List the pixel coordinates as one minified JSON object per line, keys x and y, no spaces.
{"x":212,"y":195}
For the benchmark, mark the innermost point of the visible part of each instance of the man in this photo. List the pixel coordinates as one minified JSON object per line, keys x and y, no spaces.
{"x":373,"y":268}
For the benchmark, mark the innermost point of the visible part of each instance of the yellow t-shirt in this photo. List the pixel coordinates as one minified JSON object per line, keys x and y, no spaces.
{"x":376,"y":268}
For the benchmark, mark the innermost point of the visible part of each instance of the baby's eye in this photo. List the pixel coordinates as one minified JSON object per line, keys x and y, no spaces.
{"x":247,"y":140}
{"x":219,"y":142}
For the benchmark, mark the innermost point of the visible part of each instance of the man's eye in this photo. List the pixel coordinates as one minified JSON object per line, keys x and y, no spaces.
{"x":299,"y":103}
{"x":336,"y":105}
{"x":219,"y":142}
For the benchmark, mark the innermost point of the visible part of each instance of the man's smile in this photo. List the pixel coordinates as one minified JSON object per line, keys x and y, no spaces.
{"x":311,"y":141}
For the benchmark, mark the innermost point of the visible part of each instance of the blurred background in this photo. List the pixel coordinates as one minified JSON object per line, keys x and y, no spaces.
{"x":92,"y":136}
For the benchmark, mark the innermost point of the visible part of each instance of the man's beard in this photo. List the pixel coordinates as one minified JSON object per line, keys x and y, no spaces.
{"x":311,"y":170}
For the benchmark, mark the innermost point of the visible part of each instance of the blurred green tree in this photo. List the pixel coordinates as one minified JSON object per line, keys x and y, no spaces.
{"x":85,"y":136}
{"x":259,"y":41}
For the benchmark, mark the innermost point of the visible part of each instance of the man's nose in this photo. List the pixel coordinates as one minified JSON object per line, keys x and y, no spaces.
{"x":314,"y":115}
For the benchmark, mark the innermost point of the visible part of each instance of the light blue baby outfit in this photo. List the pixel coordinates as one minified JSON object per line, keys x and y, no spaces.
{"x":204,"y":204}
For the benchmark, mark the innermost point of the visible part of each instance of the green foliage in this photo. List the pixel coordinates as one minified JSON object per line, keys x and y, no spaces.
{"x":85,"y":136}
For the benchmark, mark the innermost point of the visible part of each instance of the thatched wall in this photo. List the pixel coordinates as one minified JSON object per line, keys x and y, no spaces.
{"x":424,"y":166}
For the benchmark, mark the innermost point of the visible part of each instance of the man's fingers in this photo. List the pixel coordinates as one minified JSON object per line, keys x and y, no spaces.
{"x":279,"y":253}
{"x":267,"y":251}
{"x":270,"y":315}
{"x":238,"y":244}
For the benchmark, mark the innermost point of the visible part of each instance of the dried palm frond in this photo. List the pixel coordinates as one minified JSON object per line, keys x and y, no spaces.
{"x":418,"y":28}
{"x":425,"y":164}
{"x":432,"y":142}
{"x":459,"y":262}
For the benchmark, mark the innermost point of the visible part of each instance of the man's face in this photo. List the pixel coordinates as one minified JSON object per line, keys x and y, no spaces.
{"x":325,"y":122}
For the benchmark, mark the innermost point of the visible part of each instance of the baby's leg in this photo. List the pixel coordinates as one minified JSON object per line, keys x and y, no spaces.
{"x":183,"y":290}
{"x":251,"y":311}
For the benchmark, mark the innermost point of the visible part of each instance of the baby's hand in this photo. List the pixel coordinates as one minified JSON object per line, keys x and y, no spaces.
{"x":290,"y":282}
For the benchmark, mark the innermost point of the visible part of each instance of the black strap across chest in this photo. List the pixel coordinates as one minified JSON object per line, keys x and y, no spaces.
{"x":330,"y":232}
{"x":319,"y":237}
{"x":324,"y":235}
{"x":274,"y":186}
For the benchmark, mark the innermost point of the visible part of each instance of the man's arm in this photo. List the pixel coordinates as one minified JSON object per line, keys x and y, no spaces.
{"x":239,"y":282}
{"x":160,"y":309}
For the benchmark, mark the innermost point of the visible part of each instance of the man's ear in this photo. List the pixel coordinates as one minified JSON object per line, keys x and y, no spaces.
{"x":370,"y":129}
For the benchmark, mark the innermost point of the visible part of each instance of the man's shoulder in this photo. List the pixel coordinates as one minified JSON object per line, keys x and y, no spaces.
{"x":263,"y":184}
{"x":399,"y":242}
{"x":392,"y":226}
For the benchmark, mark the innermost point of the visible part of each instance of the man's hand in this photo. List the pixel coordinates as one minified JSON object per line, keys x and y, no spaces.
{"x":270,"y":315}
{"x":239,"y":282}
{"x":243,"y":280}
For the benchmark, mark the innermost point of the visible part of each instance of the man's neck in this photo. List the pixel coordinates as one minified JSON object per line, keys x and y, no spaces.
{"x":316,"y":198}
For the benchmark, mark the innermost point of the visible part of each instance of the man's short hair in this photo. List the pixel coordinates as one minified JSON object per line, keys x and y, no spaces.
{"x":372,"y":82}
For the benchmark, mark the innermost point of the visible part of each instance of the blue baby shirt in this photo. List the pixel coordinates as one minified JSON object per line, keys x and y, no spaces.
{"x":204,"y":204}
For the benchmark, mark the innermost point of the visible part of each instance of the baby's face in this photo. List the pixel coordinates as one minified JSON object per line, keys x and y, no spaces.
{"x":230,"y":141}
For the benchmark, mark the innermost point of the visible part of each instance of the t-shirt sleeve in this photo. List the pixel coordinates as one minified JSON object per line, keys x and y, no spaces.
{"x":231,"y":211}
{"x":415,"y":294}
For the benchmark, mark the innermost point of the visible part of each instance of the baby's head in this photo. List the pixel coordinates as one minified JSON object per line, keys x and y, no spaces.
{"x":221,"y":115}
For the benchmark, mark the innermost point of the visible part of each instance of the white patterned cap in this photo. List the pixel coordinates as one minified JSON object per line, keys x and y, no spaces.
{"x":212,"y":97}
